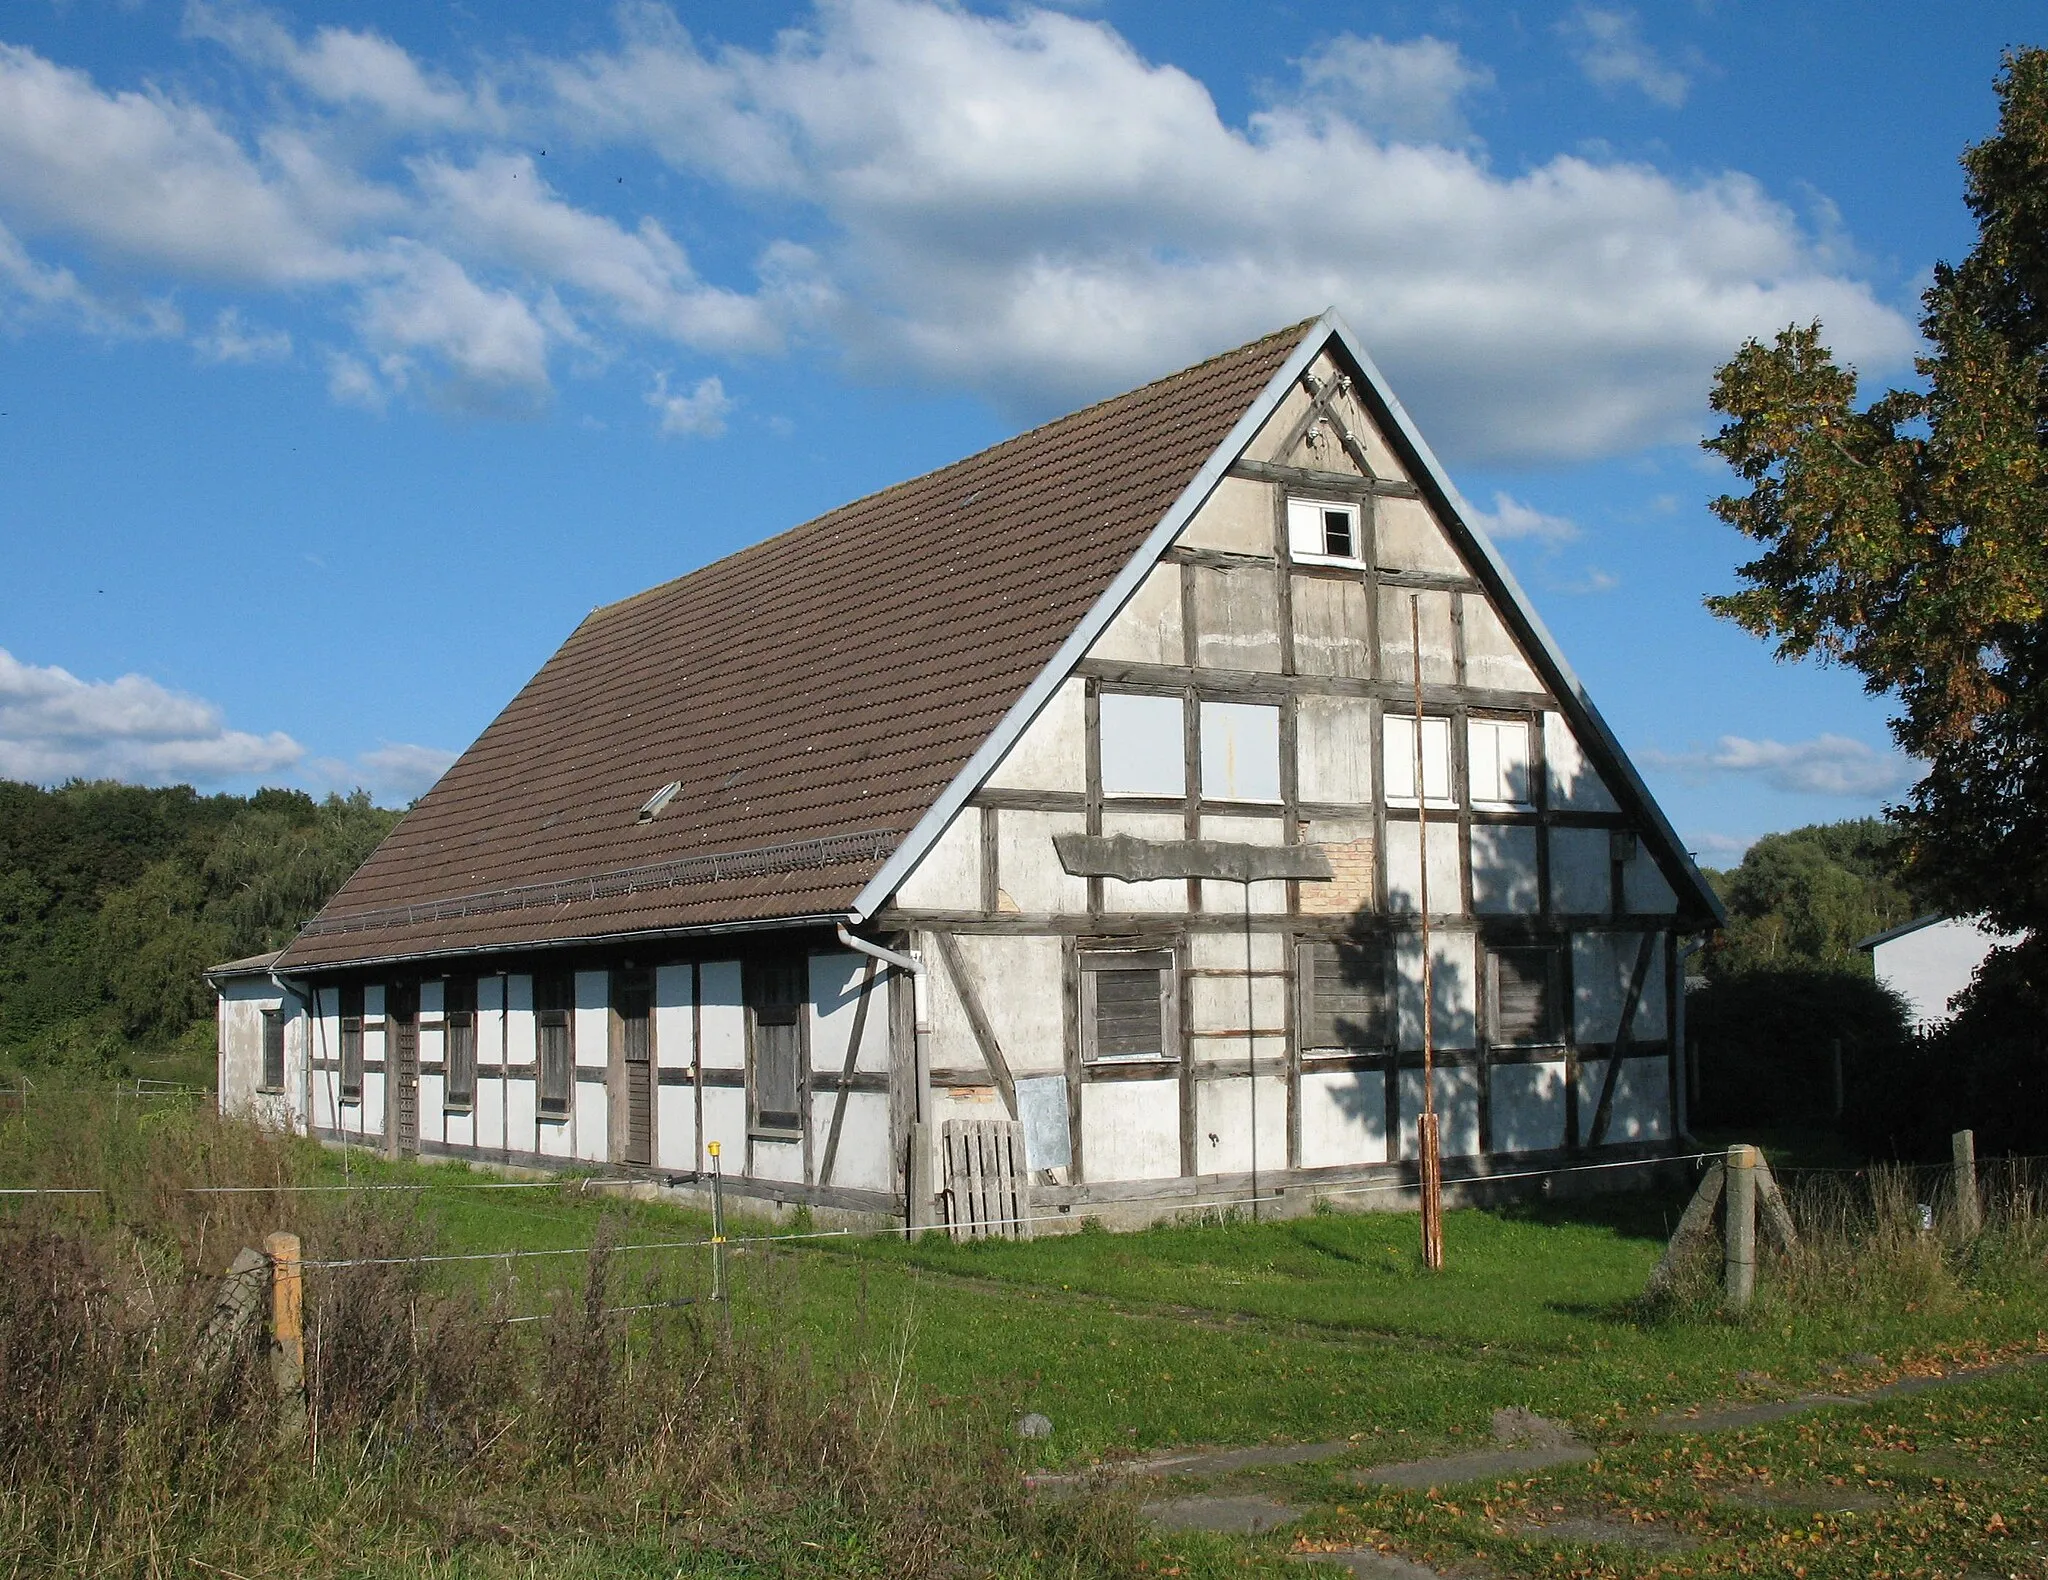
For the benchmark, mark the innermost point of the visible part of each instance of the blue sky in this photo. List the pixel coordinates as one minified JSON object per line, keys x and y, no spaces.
{"x":349,"y":354}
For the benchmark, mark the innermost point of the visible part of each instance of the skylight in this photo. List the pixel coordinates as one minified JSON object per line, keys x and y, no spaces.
{"x":651,"y":809}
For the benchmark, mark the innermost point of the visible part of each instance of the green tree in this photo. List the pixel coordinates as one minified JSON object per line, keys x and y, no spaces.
{"x":1908,"y":539}
{"x":1801,"y":900}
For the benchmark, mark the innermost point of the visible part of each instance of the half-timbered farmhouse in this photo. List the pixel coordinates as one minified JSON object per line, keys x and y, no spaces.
{"x":1079,"y":783}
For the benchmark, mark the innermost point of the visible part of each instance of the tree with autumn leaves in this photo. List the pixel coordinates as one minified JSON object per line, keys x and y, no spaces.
{"x":1908,"y":538}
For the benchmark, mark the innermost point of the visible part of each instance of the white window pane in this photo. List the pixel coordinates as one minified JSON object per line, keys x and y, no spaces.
{"x":1144,"y":751}
{"x":1398,"y":734}
{"x":1499,"y":761}
{"x":1321,"y":529}
{"x":1240,"y":752}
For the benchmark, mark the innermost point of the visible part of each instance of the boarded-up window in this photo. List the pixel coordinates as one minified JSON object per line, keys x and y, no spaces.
{"x":459,"y":1012}
{"x":1525,"y":994}
{"x":775,"y":1002}
{"x":1344,"y":999}
{"x":352,"y":1043}
{"x":273,"y":1050}
{"x":554,"y":1002}
{"x":1127,"y":1005}
{"x":1240,"y":752}
{"x":1497,"y":759}
{"x":1143,"y":745}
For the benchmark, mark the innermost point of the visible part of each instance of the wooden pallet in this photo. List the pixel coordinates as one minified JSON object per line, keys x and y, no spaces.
{"x":987,"y":1193}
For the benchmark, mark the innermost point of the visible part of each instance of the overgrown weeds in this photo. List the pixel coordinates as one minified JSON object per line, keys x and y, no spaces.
{"x":438,"y":1420}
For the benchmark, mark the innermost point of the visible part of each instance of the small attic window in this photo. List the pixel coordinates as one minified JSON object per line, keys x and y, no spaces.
{"x":651,"y":808}
{"x":1324,"y":532}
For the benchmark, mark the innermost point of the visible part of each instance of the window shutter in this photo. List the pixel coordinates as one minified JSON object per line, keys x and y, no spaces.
{"x":458,"y":1005}
{"x":1524,"y":996}
{"x":1347,"y":996}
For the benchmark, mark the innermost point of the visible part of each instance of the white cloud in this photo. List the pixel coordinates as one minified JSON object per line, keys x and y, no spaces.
{"x":1023,"y":205}
{"x":1593,"y":580}
{"x":1412,"y":90}
{"x":1511,"y":520}
{"x":54,"y":726}
{"x":700,"y":414}
{"x":1831,"y":765}
{"x":232,"y":340}
{"x":1609,"y":46}
{"x":339,"y":66}
{"x":1721,"y":850}
{"x":1016,"y":204}
{"x":149,"y":178}
{"x":34,"y":293}
{"x":399,"y":769}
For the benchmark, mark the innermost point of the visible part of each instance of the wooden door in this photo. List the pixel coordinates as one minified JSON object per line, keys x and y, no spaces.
{"x":633,"y":1004}
{"x":402,"y":1038}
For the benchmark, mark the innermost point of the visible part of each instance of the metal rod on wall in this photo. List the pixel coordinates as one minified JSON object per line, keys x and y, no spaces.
{"x":1426,"y":1134}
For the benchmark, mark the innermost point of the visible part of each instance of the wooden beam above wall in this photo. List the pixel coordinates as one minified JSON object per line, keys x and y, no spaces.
{"x":1334,"y":485}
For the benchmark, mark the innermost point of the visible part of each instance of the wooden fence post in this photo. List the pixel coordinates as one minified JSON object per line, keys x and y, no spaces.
{"x":287,"y":1328}
{"x":1969,"y":1205}
{"x":1739,"y":1281}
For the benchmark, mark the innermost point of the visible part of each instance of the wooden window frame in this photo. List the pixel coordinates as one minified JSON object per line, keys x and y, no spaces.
{"x":349,"y":1008}
{"x":554,"y":1011}
{"x":1303,"y":503}
{"x":458,"y":1026}
{"x":1094,"y":959}
{"x":1553,"y":956}
{"x":1310,"y":968}
{"x":755,"y":976}
{"x":1529,"y":766}
{"x":273,"y":1030}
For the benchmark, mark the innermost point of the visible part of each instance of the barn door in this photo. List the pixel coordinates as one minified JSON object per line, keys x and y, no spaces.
{"x":402,"y":1037}
{"x":633,"y":1009}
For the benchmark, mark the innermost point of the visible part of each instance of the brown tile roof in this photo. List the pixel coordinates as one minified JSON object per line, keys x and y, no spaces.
{"x":814,"y":694}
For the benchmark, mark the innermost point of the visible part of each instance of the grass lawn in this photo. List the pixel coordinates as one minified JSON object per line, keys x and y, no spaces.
{"x":1314,"y":1329}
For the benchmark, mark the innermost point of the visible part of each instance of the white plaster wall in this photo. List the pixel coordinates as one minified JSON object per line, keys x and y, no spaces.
{"x":1602,"y":964}
{"x":1397,"y":637}
{"x":1410,"y":540}
{"x":1574,"y":784}
{"x":1237,"y":618}
{"x":491,"y":1128}
{"x":1930,"y":965}
{"x":1268,"y":898}
{"x":1163,"y":894}
{"x":1643,"y":886}
{"x":1642,"y":1099}
{"x":1527,"y":1105}
{"x":1580,"y":871}
{"x":239,"y":1033}
{"x":1332,"y":627}
{"x":1457,"y":1110}
{"x":1028,"y":870}
{"x":1343,"y":1117}
{"x":724,"y":1048}
{"x":1051,"y":754}
{"x":1404,"y":866}
{"x":433,"y":1095}
{"x":1147,"y":630}
{"x":368,"y":1116}
{"x":863,"y":1162}
{"x":325,"y":1032}
{"x":949,"y":876}
{"x":522,"y":1096}
{"x":1223,"y":1125}
{"x":1504,"y":873}
{"x":1333,"y":750}
{"x":836,"y":978}
{"x":1454,"y":975}
{"x":1492,"y":658}
{"x":593,"y":1052}
{"x":1018,"y":982}
{"x":1225,"y":951}
{"x":782,"y":1161}
{"x":1236,"y":518}
{"x":1130,"y":1130}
